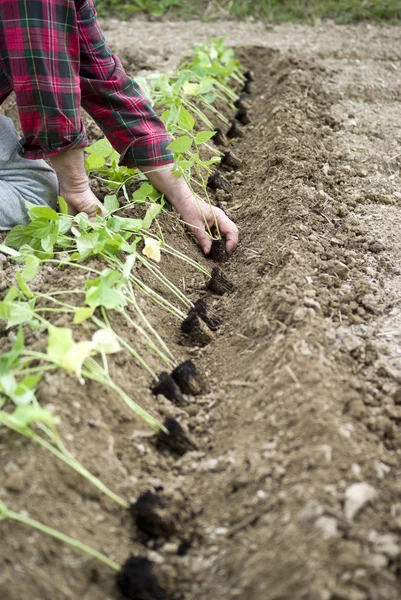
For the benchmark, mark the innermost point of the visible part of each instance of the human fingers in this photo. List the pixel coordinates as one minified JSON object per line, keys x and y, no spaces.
{"x":228,"y":229}
{"x":203,"y":238}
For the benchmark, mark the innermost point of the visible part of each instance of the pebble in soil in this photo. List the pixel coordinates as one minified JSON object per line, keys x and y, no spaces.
{"x":218,"y":251}
{"x":168,"y":387}
{"x":187,"y":378}
{"x":219,"y":284}
{"x":136,"y":580}
{"x":176,"y":440}
{"x":217,"y":182}
{"x":152,"y":516}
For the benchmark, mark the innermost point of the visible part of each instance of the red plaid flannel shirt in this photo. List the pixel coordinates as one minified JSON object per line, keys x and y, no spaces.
{"x":54,"y":57}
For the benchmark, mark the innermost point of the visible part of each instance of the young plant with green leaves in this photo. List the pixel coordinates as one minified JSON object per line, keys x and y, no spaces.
{"x":18,"y":382}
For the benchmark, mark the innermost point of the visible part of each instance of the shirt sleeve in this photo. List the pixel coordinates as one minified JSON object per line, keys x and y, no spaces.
{"x":58,"y":60}
{"x":116,"y":102}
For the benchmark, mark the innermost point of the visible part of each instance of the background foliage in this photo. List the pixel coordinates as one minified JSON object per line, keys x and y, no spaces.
{"x":342,"y":11}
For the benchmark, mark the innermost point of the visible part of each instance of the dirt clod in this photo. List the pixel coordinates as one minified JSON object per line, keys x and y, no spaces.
{"x":235,"y":130}
{"x":136,"y":580}
{"x":247,"y":87}
{"x":168,"y":387}
{"x":187,"y":378}
{"x":219,"y":283}
{"x":242,"y":116}
{"x":195,"y":327}
{"x":217,"y":182}
{"x":218,"y":252}
{"x":219,"y":137}
{"x":211,"y":320}
{"x":152,"y":516}
{"x":176,"y":440}
{"x":231,"y":160}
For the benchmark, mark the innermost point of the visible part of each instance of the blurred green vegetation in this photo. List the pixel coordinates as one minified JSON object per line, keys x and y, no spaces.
{"x":342,"y":11}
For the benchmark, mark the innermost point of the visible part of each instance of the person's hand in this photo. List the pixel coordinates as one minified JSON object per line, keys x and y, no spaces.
{"x":74,"y":183}
{"x":196,"y":214}
{"x":80,"y":198}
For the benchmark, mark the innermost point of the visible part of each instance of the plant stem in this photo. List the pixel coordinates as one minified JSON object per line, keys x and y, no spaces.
{"x":6,"y":513}
{"x":160,"y":277}
{"x":96,"y":373}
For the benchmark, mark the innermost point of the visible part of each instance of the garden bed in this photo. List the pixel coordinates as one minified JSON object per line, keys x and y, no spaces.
{"x":292,"y":412}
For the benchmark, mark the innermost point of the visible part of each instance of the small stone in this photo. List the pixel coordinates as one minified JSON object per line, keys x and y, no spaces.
{"x":300,"y":314}
{"x":171,"y":547}
{"x":388,"y":545}
{"x":382,"y":469}
{"x":357,"y":409}
{"x":356,"y":496}
{"x":328,"y":525}
{"x":15,"y":482}
{"x":377,"y":561}
{"x":210,"y":464}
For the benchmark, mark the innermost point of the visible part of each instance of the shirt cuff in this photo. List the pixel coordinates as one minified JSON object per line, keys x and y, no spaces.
{"x":148,"y":151}
{"x":32,"y":151}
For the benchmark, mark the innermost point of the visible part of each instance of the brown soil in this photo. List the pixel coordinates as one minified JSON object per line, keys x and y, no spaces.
{"x":303,"y":374}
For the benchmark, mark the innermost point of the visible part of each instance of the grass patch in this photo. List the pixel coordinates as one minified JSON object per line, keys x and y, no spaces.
{"x":342,"y":11}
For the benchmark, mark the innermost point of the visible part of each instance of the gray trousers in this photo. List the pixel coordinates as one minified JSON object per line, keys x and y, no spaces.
{"x":21,"y":180}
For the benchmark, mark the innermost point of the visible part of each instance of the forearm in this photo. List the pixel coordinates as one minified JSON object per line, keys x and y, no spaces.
{"x":175,"y":189}
{"x":70,"y":169}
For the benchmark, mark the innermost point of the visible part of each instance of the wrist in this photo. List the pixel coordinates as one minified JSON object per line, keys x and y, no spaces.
{"x":70,"y":170}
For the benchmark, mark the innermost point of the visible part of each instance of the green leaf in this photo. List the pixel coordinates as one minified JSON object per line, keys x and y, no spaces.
{"x":12,"y":294}
{"x":40,"y":228}
{"x":151,"y":214}
{"x":111,"y":203}
{"x":119,"y":224}
{"x":30,"y":270}
{"x":59,"y":342}
{"x":94,"y":162}
{"x":143,"y":192}
{"x":82,"y":314}
{"x":22,"y":392}
{"x":63,"y":206}
{"x":100,"y":148}
{"x":128,"y":266}
{"x":87,"y":244}
{"x":186,"y":120}
{"x":24,"y":416}
{"x":102,"y":291}
{"x":43,"y":212}
{"x":181,"y":144}
{"x":18,"y":236}
{"x":10,"y":358}
{"x":203,"y":136}
{"x":190,"y":89}
{"x":17,"y":313}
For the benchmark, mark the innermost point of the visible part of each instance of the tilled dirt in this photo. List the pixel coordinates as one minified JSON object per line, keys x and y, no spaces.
{"x":302,"y":399}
